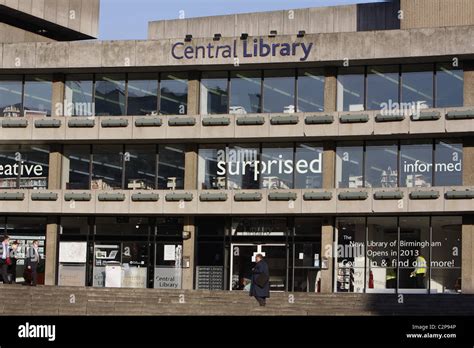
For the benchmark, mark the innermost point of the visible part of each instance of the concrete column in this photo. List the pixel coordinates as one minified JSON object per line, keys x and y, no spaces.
{"x":467,"y":263}
{"x":193,"y":92}
{"x":57,"y":100}
{"x":330,"y":89}
{"x":327,"y":237}
{"x":468,"y":83}
{"x":468,"y":161}
{"x":52,"y":230}
{"x":329,"y":164}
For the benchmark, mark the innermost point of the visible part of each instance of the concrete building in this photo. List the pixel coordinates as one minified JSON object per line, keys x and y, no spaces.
{"x":336,"y":141}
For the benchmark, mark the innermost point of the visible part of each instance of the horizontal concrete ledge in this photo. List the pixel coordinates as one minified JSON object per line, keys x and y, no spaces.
{"x":250,"y":121}
{"x":44,"y":196}
{"x":424,"y":194}
{"x":114,"y":122}
{"x":323,"y":119}
{"x":176,"y":197}
{"x":248,"y":197}
{"x":388,"y":195}
{"x":145,"y":197}
{"x":14,"y":122}
{"x":213,"y":197}
{"x":317,"y":196}
{"x":426,"y":116}
{"x":78,"y":197}
{"x":148,"y":122}
{"x":454,"y":194}
{"x":12,"y":196}
{"x":81,"y":123}
{"x":389,"y":118}
{"x":182,"y":121}
{"x":111,"y":197}
{"x":48,"y":123}
{"x":283,"y":120}
{"x":354,"y":118}
{"x":460,"y":115}
{"x":282,"y":196}
{"x":215,"y":121}
{"x":353,"y":196}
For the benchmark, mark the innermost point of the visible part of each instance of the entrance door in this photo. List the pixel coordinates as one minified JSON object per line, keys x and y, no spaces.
{"x":243,"y":260}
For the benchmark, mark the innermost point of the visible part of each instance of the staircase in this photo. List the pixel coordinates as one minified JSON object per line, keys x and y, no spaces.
{"x":51,"y":301}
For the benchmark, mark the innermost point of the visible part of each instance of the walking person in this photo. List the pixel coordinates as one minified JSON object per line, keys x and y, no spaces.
{"x":5,"y":259}
{"x":14,"y":259}
{"x":260,"y":283}
{"x":32,"y":261}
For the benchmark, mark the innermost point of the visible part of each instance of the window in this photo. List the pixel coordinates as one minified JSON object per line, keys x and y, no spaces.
{"x":241,"y":167}
{"x":140,"y":167}
{"x":34,"y":161}
{"x":173,"y":94}
{"x":110,"y":95}
{"x":448,"y":163}
{"x":107,"y":167}
{"x":74,"y":225}
{"x":308,"y":166}
{"x":417,"y":85}
{"x":78,"y":95}
{"x":121,"y":225}
{"x":381,"y":164}
{"x":350,"y":89}
{"x":212,"y":169}
{"x":11,"y":90}
{"x":382,"y":87}
{"x":77,"y":162}
{"x":214,"y":93}
{"x":246,"y":92}
{"x":37,"y":95}
{"x":449,"y":86}
{"x":349,"y":165}
{"x":10,"y":155}
{"x":142,"y":94}
{"x":279,"y":91}
{"x":310,"y":91}
{"x":171,"y":167}
{"x":276,"y":173}
{"x":416,"y":164}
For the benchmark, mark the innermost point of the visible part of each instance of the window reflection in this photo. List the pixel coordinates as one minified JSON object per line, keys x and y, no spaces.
{"x":350,"y":89}
{"x":449,"y":86}
{"x":310,"y":91}
{"x":110,"y":95}
{"x":173,"y":94}
{"x":212,"y":167}
{"x":246,"y":93}
{"x":11,"y":89}
{"x":417,"y":85}
{"x":107,"y":167}
{"x":279,"y":91}
{"x":416,"y":164}
{"x":37,"y":96}
{"x":242,"y":170}
{"x":381,"y":164}
{"x":382,"y":87}
{"x":77,"y":164}
{"x":349,"y":165}
{"x":449,"y":166}
{"x":214,"y":93}
{"x":276,"y":174}
{"x":142,"y":94}
{"x":171,"y":167}
{"x":140,"y":167}
{"x":78,"y":95}
{"x":308,"y":166}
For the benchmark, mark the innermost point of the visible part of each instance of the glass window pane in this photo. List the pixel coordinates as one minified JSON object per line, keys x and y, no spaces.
{"x":246,"y":94}
{"x":350,"y":89}
{"x":110,"y":95}
{"x":449,"y":86}
{"x":417,"y":85}
{"x":140,"y":167}
{"x":78,"y":95}
{"x":107,"y":167}
{"x":308,"y":166}
{"x":121,"y":225}
{"x":276,"y":173}
{"x":279,"y":91}
{"x":241,"y":165}
{"x":77,"y":166}
{"x":308,"y":226}
{"x":416,"y":164}
{"x":350,"y":254}
{"x":414,"y":252}
{"x":9,"y":157}
{"x":214,"y":93}
{"x":382,"y":87}
{"x":173,"y":94}
{"x":11,"y":89}
{"x":142,"y":94}
{"x":381,"y":164}
{"x":310,"y":91}
{"x":170,"y":226}
{"x":38,"y":94}
{"x":382,"y":251}
{"x":171,"y":167}
{"x":34,"y":167}
{"x":448,"y":163}
{"x":349,"y":167}
{"x":74,"y":225}
{"x":211,"y":167}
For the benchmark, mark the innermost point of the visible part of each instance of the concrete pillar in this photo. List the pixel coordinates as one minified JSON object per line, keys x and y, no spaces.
{"x":57,"y":100}
{"x":52,"y":228}
{"x":467,"y":263}
{"x":193,"y":92}
{"x":468,"y":161}
{"x":330,"y":89}
{"x":329,"y":164}
{"x":468,"y":83}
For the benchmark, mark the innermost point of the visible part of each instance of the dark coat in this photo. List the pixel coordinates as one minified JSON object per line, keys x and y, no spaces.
{"x":255,"y":290}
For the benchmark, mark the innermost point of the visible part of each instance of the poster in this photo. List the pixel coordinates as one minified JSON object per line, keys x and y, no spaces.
{"x":167,"y":278}
{"x":170,"y":252}
{"x":72,"y":275}
{"x":73,"y":252}
{"x":134,"y":277}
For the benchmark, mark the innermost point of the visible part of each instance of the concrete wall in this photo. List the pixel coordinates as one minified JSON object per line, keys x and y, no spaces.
{"x":11,"y":34}
{"x":79,"y":15}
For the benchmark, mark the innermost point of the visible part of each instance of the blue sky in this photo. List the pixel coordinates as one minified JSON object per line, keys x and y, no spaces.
{"x":128,"y":19}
